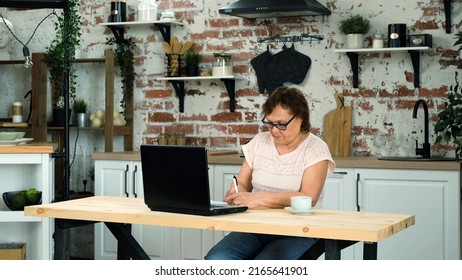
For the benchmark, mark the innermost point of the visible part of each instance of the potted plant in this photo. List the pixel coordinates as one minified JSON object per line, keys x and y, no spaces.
{"x":449,"y":125}
{"x":355,"y":27}
{"x":60,"y":57}
{"x":82,"y":118}
{"x":191,"y":61}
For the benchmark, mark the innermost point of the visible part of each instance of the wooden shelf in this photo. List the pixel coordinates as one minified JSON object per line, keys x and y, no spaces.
{"x":414,"y":52}
{"x":118,"y":28}
{"x":178,"y":85}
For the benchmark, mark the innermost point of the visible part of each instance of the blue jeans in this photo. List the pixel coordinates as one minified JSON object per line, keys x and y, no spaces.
{"x":252,"y":246}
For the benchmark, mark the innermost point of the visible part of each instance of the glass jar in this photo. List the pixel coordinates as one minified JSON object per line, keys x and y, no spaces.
{"x":163,"y":139}
{"x":222,"y":65}
{"x":377,"y":42}
{"x":16,"y":112}
{"x":147,"y":10}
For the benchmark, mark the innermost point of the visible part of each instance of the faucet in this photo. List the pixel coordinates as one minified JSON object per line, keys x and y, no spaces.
{"x":425,"y":150}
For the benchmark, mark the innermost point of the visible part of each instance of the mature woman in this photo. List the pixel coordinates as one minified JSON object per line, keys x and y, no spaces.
{"x":285,"y":161}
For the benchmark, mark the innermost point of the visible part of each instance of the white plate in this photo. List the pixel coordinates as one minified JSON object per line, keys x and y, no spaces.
{"x":300,"y":212}
{"x":15,"y":142}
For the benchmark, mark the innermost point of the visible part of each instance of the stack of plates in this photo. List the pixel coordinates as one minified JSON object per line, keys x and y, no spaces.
{"x":13,"y":138}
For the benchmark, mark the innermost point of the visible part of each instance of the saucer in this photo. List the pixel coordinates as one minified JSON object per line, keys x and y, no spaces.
{"x":15,"y":142}
{"x":300,"y":212}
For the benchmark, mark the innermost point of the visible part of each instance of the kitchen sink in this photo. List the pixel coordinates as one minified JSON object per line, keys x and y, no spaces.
{"x":434,"y":158}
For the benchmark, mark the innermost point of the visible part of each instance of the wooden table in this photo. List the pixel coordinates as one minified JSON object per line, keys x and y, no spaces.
{"x":118,"y":213}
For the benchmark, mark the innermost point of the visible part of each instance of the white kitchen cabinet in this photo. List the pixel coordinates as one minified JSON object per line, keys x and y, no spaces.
{"x":120,"y":178}
{"x":20,"y":172}
{"x":336,"y":196}
{"x":433,"y":196}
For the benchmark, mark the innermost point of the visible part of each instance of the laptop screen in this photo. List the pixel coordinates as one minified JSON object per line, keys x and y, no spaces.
{"x":175,"y":177}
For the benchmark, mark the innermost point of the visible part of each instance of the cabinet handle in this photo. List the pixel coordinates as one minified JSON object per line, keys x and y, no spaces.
{"x":340,"y":172}
{"x":134,"y":181}
{"x":126,"y":183}
{"x":357,"y":192}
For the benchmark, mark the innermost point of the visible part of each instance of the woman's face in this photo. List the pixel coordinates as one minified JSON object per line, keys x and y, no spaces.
{"x":282,"y":116}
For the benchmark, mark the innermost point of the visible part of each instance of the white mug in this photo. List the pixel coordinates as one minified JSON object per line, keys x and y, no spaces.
{"x":300,"y":202}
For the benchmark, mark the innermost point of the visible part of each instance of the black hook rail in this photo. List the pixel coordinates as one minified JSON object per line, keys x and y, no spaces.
{"x":291,"y":39}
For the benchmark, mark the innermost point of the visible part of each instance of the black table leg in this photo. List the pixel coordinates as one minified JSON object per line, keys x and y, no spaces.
{"x":332,"y":250}
{"x":370,"y":251}
{"x":127,"y":246}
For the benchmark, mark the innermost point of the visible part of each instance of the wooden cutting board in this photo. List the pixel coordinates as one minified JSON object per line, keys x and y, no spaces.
{"x":12,"y":124}
{"x":337,"y":128}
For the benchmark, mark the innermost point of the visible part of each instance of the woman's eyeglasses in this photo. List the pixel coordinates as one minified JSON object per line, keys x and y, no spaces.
{"x":280,"y":126}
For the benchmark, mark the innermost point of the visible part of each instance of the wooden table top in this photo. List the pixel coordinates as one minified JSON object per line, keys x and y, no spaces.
{"x":329,"y":224}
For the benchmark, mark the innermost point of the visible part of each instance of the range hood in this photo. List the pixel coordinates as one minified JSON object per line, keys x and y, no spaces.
{"x":274,"y":8}
{"x":34,"y":4}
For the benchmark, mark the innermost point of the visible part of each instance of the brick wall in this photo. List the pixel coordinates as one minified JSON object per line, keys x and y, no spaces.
{"x":382,"y":103}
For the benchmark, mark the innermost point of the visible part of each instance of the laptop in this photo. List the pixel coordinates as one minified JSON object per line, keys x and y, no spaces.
{"x":176,"y":179}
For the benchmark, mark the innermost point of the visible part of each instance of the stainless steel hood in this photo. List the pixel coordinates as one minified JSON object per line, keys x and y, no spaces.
{"x":274,"y":8}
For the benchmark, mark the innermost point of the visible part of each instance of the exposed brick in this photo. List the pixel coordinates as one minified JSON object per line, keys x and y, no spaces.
{"x":227,"y":117}
{"x":158,"y":93}
{"x":161,"y":117}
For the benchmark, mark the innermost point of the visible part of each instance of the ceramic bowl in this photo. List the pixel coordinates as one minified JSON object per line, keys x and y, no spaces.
{"x":8,"y":136}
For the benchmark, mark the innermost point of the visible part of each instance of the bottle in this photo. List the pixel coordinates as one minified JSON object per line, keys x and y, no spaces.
{"x":16,"y":112}
{"x":147,"y":10}
{"x":377,"y":43}
{"x":163,"y":138}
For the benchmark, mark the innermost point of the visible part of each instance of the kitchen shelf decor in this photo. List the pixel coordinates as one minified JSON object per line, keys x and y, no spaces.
{"x":178,"y":85}
{"x":414,"y":52}
{"x":118,"y":28}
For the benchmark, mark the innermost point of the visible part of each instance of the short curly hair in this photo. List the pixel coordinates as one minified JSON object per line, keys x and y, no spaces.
{"x":292,"y":99}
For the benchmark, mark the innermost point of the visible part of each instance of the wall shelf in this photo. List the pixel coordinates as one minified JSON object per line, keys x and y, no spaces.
{"x":118,"y":28}
{"x":178,"y":85}
{"x":414,"y":52}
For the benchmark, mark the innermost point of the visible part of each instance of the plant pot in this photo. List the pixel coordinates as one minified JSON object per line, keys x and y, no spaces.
{"x":59,"y":116}
{"x":354,"y":41}
{"x":192,"y":70}
{"x":82,"y":119}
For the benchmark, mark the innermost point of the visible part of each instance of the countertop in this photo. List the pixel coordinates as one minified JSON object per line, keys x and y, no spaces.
{"x":30,"y":148}
{"x":341,"y":162}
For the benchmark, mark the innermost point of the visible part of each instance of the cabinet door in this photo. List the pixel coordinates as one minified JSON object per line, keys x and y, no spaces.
{"x":151,"y":238}
{"x":432,"y":196}
{"x":336,"y":189}
{"x":112,"y":178}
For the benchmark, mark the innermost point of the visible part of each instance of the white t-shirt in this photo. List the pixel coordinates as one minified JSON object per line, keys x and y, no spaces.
{"x":272,"y":172}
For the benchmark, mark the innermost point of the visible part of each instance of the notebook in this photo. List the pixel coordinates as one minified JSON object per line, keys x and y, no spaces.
{"x":176,"y":179}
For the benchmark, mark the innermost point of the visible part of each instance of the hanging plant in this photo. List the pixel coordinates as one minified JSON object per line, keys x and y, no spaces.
{"x":60,"y":55}
{"x":124,"y":51}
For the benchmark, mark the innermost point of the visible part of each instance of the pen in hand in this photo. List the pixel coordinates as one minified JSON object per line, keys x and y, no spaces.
{"x":235,"y":184}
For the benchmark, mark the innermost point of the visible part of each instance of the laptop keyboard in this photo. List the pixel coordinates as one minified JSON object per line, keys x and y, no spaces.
{"x":216,"y":203}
